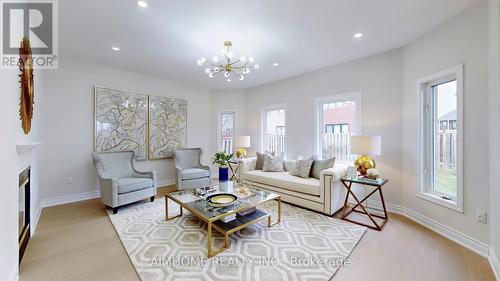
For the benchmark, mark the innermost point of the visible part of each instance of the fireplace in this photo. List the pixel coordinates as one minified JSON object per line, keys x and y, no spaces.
{"x":24,"y":210}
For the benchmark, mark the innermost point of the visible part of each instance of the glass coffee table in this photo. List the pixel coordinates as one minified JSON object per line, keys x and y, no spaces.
{"x":248,"y":198}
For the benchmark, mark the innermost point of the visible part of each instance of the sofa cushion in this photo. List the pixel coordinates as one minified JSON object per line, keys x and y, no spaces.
{"x":194,"y":173}
{"x":302,"y":167}
{"x":126,"y":185}
{"x":289,"y":164}
{"x":273,"y":163}
{"x":285,"y":180}
{"x":260,"y":161}
{"x":319,"y":165}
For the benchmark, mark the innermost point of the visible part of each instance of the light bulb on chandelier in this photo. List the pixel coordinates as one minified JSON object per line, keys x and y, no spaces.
{"x":229,"y":66}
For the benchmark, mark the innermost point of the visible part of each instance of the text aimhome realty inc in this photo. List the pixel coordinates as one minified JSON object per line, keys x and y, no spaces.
{"x":224,"y":261}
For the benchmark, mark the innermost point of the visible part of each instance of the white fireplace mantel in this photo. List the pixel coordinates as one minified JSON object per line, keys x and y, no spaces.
{"x":23,"y":148}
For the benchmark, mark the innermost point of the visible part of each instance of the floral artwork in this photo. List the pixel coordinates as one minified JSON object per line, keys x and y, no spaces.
{"x":120,"y":121}
{"x":167,"y":126}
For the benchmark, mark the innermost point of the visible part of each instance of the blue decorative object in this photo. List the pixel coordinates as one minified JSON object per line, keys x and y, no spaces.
{"x":223,"y":173}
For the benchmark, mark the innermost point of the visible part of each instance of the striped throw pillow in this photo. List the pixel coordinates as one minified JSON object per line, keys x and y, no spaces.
{"x":303,"y":167}
{"x":273,"y":163}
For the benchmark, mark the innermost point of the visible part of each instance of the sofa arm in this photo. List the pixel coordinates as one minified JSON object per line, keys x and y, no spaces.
{"x":246,"y":165}
{"x":330,"y":182}
{"x":336,"y":172}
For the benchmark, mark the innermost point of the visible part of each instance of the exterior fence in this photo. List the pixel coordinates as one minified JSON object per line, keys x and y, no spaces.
{"x":275,"y":143}
{"x":334,"y":145}
{"x":447,"y":141}
{"x":227,"y":144}
{"x":337,"y":145}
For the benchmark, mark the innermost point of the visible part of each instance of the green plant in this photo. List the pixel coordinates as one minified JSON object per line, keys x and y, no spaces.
{"x":222,"y":158}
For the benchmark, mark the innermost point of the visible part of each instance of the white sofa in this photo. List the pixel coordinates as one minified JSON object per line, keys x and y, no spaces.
{"x":325,"y":195}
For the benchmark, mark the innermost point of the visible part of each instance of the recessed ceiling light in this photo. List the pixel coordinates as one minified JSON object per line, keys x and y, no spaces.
{"x":358,"y":35}
{"x":115,"y":49}
{"x":142,"y":3}
{"x":276,"y":64}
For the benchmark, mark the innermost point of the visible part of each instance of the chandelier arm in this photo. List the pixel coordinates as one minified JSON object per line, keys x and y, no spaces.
{"x":243,"y":66}
{"x":234,"y":62}
{"x":214,"y":65}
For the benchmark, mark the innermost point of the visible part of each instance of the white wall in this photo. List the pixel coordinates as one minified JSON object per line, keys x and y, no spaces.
{"x":494,"y":101}
{"x":462,"y":39}
{"x":9,"y":120}
{"x":378,"y":78}
{"x":33,"y":157}
{"x":68,"y":123}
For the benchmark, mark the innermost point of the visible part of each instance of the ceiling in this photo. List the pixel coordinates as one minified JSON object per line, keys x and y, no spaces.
{"x":166,"y":38}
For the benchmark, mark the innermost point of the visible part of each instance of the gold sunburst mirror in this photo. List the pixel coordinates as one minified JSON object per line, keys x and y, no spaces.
{"x":27,"y":99}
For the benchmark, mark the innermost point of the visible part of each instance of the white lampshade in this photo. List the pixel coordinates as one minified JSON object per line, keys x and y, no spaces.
{"x":242,"y":141}
{"x":366,"y":145}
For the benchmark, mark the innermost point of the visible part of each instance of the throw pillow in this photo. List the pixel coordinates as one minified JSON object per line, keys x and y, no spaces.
{"x":260,"y":160}
{"x":273,"y":163}
{"x":303,"y":167}
{"x":319,"y":165}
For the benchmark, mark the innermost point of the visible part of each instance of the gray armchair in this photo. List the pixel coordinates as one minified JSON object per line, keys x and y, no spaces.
{"x":120,"y":182}
{"x":190,"y":173}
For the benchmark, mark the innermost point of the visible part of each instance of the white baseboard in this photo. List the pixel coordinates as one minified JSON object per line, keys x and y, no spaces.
{"x":468,"y":242}
{"x":495,"y":264}
{"x":14,"y":274}
{"x":49,"y":202}
{"x":391,"y":208}
{"x":166,"y":182}
{"x":35,"y":220}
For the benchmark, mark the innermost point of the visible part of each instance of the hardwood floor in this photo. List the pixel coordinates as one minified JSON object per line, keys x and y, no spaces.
{"x":78,"y":242}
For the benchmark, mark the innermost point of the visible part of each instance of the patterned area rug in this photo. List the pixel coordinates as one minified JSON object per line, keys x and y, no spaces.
{"x":304,"y":246}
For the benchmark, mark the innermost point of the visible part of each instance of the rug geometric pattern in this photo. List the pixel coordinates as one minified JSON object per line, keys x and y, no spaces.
{"x":304,"y":246}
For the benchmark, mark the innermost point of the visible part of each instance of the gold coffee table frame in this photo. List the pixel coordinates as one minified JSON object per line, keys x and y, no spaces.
{"x":228,"y":228}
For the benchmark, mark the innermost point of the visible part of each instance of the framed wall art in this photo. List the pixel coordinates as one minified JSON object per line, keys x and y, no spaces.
{"x":167,"y":126}
{"x":120,"y":121}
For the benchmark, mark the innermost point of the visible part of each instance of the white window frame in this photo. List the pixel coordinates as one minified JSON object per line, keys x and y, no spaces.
{"x":426,"y":191}
{"x":318,"y":116}
{"x":263,"y":124}
{"x":219,"y":126}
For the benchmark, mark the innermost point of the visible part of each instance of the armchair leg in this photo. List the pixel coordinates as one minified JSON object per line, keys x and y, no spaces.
{"x":152,"y":198}
{"x":115,"y":210}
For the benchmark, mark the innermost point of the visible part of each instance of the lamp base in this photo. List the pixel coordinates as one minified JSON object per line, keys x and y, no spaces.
{"x":363,"y":163}
{"x":241,"y":153}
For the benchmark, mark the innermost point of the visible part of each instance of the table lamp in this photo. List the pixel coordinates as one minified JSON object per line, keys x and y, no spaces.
{"x":241,"y":143}
{"x":365,"y":146}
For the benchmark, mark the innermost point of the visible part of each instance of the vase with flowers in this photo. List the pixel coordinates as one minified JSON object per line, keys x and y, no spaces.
{"x":221,"y":159}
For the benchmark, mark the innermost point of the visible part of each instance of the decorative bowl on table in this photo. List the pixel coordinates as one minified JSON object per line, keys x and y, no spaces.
{"x":221,"y":199}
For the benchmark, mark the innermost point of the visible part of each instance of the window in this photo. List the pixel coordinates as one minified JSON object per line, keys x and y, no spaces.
{"x":453,"y":124}
{"x":274,"y":129}
{"x":444,"y":125}
{"x":336,"y":128}
{"x":337,"y":117}
{"x":441,"y":139}
{"x":225,"y":129}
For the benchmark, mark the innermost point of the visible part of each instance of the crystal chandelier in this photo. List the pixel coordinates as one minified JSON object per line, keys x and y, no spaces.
{"x":229,"y":66}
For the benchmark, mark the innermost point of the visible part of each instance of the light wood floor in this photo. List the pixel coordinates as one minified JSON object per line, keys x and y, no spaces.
{"x":78,"y":242}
